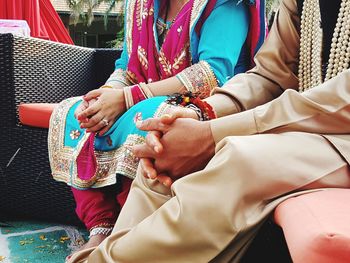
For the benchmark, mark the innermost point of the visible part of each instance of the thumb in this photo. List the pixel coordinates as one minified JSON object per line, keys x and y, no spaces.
{"x":178,"y":113}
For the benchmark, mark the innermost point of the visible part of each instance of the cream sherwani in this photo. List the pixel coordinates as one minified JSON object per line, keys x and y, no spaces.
{"x":293,"y":143}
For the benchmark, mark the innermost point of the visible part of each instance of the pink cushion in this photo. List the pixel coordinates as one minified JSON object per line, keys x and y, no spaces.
{"x":317,"y":226}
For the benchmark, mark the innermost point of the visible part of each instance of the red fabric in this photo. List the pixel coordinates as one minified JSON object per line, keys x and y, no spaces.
{"x":100,"y":206}
{"x":36,"y":114}
{"x":86,"y":160}
{"x":41,"y":17}
{"x":123,"y":195}
{"x":96,"y":206}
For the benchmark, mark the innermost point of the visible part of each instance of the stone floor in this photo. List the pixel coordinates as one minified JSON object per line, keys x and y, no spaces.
{"x":35,"y":242}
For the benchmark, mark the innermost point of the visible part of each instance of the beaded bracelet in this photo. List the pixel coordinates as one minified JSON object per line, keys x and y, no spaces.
{"x":187,"y":99}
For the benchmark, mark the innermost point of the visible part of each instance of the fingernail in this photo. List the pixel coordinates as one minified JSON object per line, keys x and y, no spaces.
{"x":156,"y":149}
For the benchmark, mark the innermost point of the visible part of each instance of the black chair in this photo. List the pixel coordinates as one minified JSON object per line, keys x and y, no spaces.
{"x":33,"y":71}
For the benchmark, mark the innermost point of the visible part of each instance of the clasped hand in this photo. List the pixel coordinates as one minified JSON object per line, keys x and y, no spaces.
{"x":99,"y":109}
{"x":176,"y":145}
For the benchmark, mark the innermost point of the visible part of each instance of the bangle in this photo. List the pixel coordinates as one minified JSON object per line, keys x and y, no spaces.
{"x":146,"y":90}
{"x":188,"y":98}
{"x":128,"y":97}
{"x":136,"y":93}
{"x":100,"y":231}
{"x":197,"y":110}
{"x":106,"y":87}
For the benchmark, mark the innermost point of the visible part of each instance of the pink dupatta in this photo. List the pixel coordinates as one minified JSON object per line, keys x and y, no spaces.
{"x":146,"y":62}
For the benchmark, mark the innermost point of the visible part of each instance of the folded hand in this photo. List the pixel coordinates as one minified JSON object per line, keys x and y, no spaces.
{"x":100,"y":115}
{"x":174,"y":147}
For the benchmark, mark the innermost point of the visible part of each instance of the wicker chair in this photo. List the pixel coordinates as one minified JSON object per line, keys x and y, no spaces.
{"x":33,"y":70}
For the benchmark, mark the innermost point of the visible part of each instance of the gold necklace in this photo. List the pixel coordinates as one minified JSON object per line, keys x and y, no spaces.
{"x":311,"y":41}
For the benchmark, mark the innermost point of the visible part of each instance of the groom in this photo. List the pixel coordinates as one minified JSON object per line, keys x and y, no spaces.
{"x":268,"y":143}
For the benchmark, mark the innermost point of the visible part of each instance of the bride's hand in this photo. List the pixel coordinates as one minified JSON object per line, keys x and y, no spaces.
{"x":84,"y":104}
{"x":101,"y":115}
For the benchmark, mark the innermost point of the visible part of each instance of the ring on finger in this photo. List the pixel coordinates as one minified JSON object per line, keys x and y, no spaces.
{"x":105,"y":122}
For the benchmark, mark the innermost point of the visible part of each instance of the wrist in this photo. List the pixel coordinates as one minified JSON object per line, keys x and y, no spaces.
{"x":191,"y":101}
{"x":209,"y":139}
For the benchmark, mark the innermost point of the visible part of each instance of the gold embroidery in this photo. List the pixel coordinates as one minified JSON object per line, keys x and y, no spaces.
{"x":138,"y":14}
{"x":142,"y":56}
{"x":129,"y":24}
{"x":179,"y":59}
{"x":199,"y":78}
{"x":63,"y":158}
{"x":131,"y":77}
{"x":141,"y":12}
{"x":119,"y":75}
{"x":197,"y":8}
{"x":166,"y":66}
{"x":164,"y":108}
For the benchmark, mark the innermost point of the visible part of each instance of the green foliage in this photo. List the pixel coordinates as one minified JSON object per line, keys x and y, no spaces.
{"x":82,"y":10}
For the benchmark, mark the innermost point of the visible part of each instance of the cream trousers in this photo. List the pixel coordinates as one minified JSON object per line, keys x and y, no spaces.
{"x":212,"y":215}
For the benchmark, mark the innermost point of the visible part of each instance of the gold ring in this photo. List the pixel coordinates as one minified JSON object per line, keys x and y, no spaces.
{"x":105,"y":122}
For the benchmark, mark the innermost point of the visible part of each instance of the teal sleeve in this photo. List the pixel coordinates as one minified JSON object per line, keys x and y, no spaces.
{"x":222,"y":37}
{"x":122,"y":62}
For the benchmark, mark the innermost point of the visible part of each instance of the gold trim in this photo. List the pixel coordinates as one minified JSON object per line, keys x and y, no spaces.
{"x":129,"y":24}
{"x":197,"y":8}
{"x":109,"y":163}
{"x":198,"y":78}
{"x":119,"y":75}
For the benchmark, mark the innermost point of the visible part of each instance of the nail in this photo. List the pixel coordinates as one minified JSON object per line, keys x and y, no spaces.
{"x":156,"y":149}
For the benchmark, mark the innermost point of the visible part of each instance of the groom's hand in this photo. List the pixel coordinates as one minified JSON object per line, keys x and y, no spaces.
{"x":185,"y":146}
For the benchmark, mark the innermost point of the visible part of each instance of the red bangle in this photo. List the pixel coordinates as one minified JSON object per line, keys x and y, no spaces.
{"x":137,"y":94}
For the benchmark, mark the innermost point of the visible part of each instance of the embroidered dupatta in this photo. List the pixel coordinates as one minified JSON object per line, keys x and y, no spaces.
{"x":148,"y":62}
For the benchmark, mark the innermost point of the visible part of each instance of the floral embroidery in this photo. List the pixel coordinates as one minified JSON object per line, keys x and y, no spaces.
{"x":137,"y":117}
{"x":166,"y":66}
{"x":142,"y":56}
{"x":199,"y":78}
{"x":63,"y":158}
{"x":180,"y":58}
{"x":141,"y":12}
{"x":74,"y":134}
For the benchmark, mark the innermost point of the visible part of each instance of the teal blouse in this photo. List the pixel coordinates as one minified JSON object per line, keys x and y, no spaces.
{"x":221,"y":42}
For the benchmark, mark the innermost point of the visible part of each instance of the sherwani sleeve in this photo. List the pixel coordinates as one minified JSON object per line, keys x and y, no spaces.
{"x":323,"y":109}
